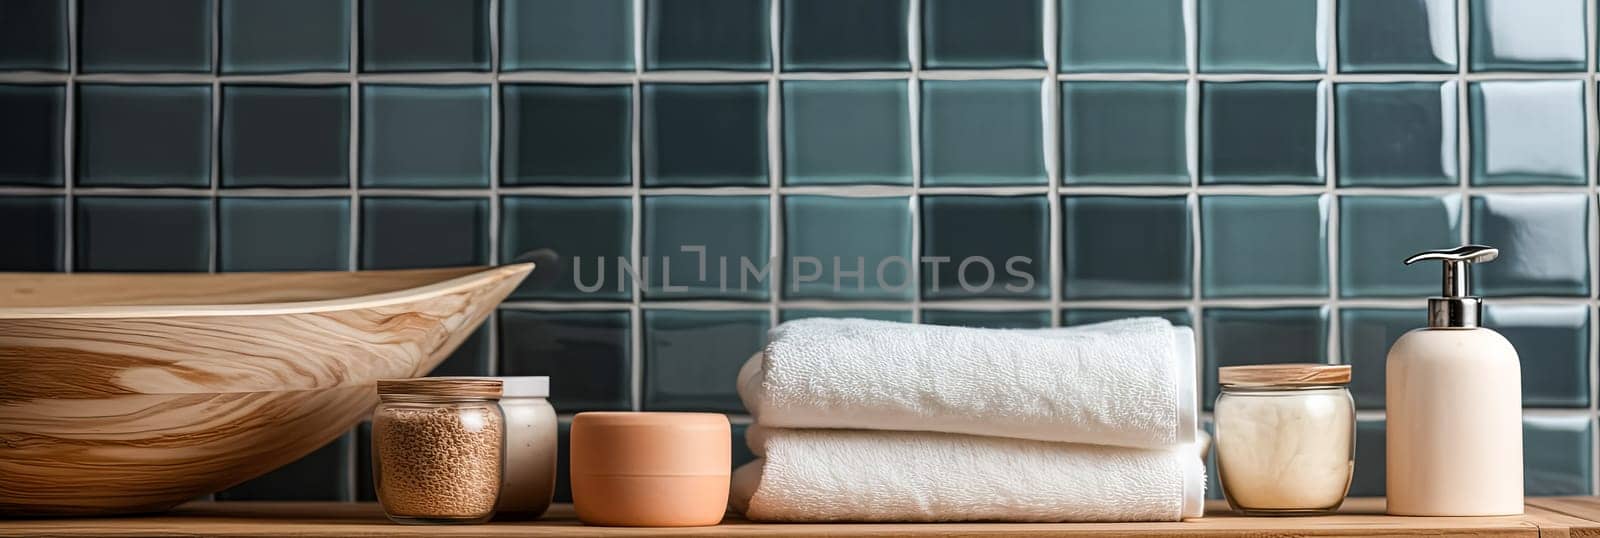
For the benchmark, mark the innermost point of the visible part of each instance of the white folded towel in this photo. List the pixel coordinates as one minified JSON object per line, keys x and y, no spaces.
{"x":852,"y":475}
{"x":1126,"y":383}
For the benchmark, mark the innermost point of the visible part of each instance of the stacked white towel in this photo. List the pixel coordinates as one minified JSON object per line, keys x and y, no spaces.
{"x":861,"y":420}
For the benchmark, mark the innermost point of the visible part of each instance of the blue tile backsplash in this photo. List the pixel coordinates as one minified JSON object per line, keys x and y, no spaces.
{"x":1254,"y":169}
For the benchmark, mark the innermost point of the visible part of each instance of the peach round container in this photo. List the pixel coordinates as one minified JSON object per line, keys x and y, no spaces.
{"x":650,"y":469}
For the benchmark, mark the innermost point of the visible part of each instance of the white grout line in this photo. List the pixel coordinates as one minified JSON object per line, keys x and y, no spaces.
{"x":1591,"y":132}
{"x":214,"y":143}
{"x":635,"y":245}
{"x":775,"y":160}
{"x":496,"y":126}
{"x":914,"y":108}
{"x":1053,"y":134}
{"x":713,"y":77}
{"x":865,"y":191}
{"x":69,"y":146}
{"x":1191,"y":141}
{"x":1329,"y":32}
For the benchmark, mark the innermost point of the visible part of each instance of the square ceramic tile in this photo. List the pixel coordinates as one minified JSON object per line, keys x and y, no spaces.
{"x":959,"y":34}
{"x":845,"y":35}
{"x":1557,"y":455}
{"x":1104,"y":36}
{"x":1552,"y":342}
{"x":741,"y":449}
{"x":285,"y":136}
{"x":143,"y":136}
{"x":1124,"y":133}
{"x":285,"y":36}
{"x":425,"y":35}
{"x":1261,"y":132}
{"x":41,"y":248}
{"x":404,"y":233}
{"x":791,"y":314}
{"x":1085,"y":316}
{"x":1098,"y":263}
{"x":981,"y":132}
{"x":1234,"y":36}
{"x":470,"y":359}
{"x":1527,"y":132}
{"x":566,"y":135}
{"x":33,"y":35}
{"x":588,"y":353}
{"x":1264,"y":246}
{"x":989,"y":319}
{"x":869,"y":238}
{"x":429,"y":136}
{"x":167,"y":36}
{"x":1370,"y":474}
{"x":589,"y":239}
{"x":1365,"y":336}
{"x":322,"y":475}
{"x":1400,"y":134}
{"x":1213,"y":484}
{"x":283,"y":234}
{"x":692,"y":357}
{"x":566,"y":35}
{"x":697,"y":246}
{"x":1519,"y":35}
{"x":1385,"y":36}
{"x":996,"y":247}
{"x":1543,"y":241}
{"x":563,"y":493}
{"x":1240,"y":336}
{"x":1377,"y":232}
{"x":364,"y":481}
{"x":31,"y":146}
{"x":846,"y":132}
{"x":707,"y":34}
{"x":705,"y":134}
{"x":136,"y":234}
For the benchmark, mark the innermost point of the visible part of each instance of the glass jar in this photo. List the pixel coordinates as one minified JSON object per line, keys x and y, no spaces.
{"x":529,"y":481}
{"x":1285,"y":437}
{"x":438,"y":448}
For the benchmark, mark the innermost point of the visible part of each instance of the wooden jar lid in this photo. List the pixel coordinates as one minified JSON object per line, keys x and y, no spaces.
{"x":487,"y":388}
{"x":1288,"y":375}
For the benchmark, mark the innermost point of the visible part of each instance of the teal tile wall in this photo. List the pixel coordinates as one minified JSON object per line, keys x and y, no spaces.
{"x":1151,"y":154}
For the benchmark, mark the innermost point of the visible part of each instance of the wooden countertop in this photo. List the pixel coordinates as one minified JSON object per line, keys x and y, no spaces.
{"x":1553,"y":516}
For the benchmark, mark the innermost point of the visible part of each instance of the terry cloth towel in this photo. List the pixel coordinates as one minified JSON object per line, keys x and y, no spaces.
{"x":854,"y":475}
{"x":1126,"y":383}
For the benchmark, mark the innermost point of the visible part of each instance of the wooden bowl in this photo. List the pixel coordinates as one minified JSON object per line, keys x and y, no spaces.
{"x":124,"y":393}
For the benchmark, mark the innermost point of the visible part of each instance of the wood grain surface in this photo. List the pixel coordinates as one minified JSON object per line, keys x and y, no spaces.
{"x":1359,"y":517}
{"x":137,"y":400}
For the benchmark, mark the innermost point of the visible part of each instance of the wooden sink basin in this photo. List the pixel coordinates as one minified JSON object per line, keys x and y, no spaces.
{"x":124,"y":393}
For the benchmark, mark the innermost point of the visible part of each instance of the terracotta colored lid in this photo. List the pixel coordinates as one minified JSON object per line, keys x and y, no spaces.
{"x":1286,"y":375}
{"x":448,"y":387}
{"x":651,"y":444}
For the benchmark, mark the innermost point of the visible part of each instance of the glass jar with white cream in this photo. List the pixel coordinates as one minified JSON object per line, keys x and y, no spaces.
{"x":1285,"y":437}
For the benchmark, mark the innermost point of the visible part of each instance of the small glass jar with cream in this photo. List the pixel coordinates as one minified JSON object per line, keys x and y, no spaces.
{"x":1285,"y":437}
{"x":529,"y":480}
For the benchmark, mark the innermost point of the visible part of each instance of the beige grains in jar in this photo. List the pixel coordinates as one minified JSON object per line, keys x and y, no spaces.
{"x":438,"y":449}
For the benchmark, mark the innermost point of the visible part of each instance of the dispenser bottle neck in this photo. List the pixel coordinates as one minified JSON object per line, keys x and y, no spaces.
{"x":1455,"y":308}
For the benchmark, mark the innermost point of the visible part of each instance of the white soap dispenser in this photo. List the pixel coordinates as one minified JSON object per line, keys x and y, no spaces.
{"x":1454,"y":406}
